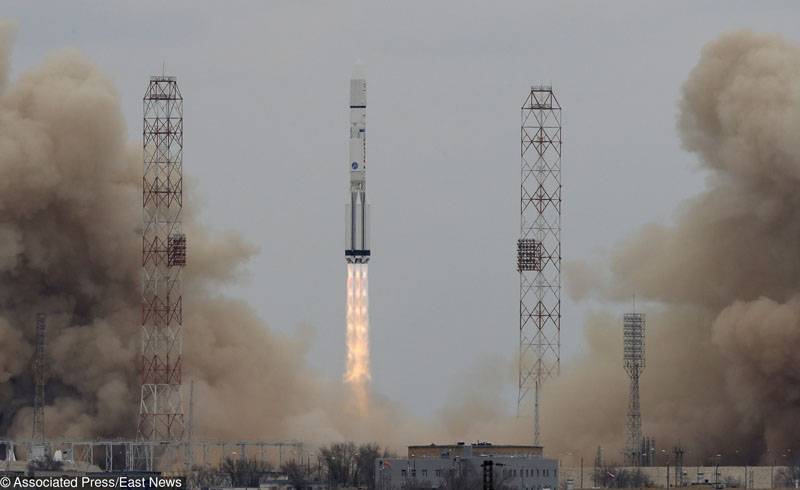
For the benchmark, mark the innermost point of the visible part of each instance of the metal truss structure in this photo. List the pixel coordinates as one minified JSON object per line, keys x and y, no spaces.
{"x":123,"y":455}
{"x":634,"y":361}
{"x":597,"y":475}
{"x":40,"y":377}
{"x":648,"y":451}
{"x":161,"y":417}
{"x":539,"y":248}
{"x":679,"y":480}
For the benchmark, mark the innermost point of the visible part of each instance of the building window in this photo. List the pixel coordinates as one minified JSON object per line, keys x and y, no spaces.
{"x":403,"y":473}
{"x":439,"y":472}
{"x":413,"y":473}
{"x":424,"y":473}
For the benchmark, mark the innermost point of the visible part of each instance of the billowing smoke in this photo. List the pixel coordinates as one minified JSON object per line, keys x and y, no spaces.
{"x":722,"y":281}
{"x":70,"y":247}
{"x":721,"y":284}
{"x":70,"y":222}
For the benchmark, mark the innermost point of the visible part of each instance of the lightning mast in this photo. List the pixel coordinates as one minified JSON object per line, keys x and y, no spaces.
{"x":539,"y":249}
{"x":163,"y":258}
{"x":633,"y":358}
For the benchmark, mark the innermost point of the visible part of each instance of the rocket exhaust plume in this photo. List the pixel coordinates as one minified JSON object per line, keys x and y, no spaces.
{"x":357,"y":251}
{"x":70,"y":246}
{"x":357,"y":374}
{"x":724,"y":274}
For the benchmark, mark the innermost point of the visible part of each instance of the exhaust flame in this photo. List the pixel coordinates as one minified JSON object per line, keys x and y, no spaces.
{"x":357,"y":375}
{"x":70,"y":208}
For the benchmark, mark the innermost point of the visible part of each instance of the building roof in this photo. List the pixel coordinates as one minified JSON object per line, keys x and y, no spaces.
{"x":477,"y":448}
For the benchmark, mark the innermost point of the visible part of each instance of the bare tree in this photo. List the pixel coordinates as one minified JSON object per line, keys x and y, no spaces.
{"x":366,"y":454}
{"x":340,"y":462}
{"x":348,"y":464}
{"x":297,"y":474}
{"x":202,"y":477}
{"x":244,"y":472}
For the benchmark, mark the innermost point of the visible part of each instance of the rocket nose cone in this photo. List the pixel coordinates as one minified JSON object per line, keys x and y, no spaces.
{"x":359,"y":72}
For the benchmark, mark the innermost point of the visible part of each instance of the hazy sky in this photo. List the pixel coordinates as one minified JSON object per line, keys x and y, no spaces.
{"x":266,"y":124}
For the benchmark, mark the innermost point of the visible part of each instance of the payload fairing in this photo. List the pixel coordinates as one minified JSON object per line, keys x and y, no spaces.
{"x":357,"y":221}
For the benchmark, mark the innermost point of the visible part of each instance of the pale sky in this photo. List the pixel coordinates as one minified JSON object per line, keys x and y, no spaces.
{"x":266,"y":123}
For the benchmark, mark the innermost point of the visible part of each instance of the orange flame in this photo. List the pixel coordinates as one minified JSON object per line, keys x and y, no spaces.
{"x":357,"y":375}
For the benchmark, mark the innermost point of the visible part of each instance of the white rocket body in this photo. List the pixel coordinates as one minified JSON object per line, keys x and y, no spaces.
{"x":357,"y":209}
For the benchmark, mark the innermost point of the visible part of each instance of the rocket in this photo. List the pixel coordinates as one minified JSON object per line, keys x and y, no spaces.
{"x":357,"y":210}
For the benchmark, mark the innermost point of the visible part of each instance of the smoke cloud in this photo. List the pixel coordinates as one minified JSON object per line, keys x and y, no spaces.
{"x":720,"y":282}
{"x":720,"y":286}
{"x":70,"y":247}
{"x":70,"y":222}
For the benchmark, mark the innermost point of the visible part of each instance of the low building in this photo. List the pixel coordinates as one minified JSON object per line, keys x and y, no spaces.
{"x":478,"y":448}
{"x":453,"y":466}
{"x":283,"y":483}
{"x":751,"y":477}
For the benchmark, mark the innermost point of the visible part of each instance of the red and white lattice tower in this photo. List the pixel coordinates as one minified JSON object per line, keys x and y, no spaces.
{"x":163,"y":258}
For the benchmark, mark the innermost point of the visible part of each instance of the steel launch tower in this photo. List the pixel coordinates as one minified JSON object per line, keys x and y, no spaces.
{"x":539,"y":249}
{"x":357,"y":252}
{"x":633,"y":359}
{"x":163,"y":259}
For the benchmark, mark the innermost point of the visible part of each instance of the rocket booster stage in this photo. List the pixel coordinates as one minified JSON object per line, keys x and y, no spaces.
{"x":357,"y":220}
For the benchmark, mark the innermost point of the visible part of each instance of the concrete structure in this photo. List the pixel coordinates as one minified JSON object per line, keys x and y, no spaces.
{"x":479,"y":448}
{"x":732,"y":476}
{"x":434,"y":466}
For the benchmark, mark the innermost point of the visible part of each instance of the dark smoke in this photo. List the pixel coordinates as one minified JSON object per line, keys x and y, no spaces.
{"x":723,"y":280}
